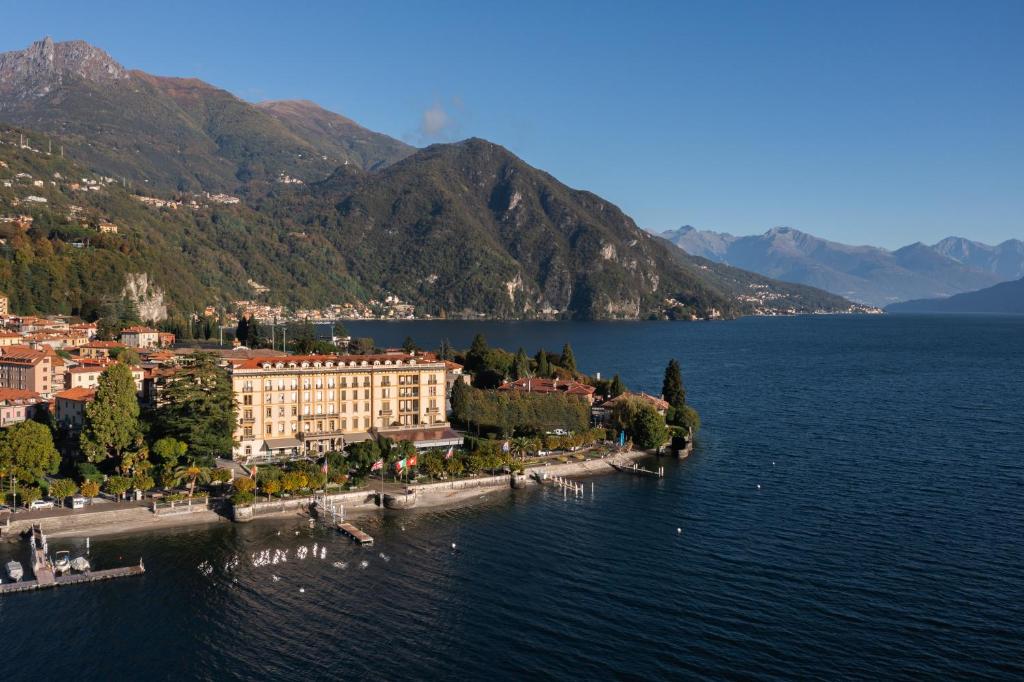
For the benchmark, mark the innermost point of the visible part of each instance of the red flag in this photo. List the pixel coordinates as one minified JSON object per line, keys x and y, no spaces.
{"x":252,"y":473}
{"x":412,"y":461}
{"x":378,"y":465}
{"x":448,"y":455}
{"x":324,"y":467}
{"x":400,"y":464}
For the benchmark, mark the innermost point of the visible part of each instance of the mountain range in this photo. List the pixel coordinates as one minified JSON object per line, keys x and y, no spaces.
{"x":1006,"y":298}
{"x":326,"y":211}
{"x":866,"y":274}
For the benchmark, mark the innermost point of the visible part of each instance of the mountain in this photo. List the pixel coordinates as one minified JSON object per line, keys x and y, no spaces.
{"x":339,"y":136}
{"x":1005,"y":260}
{"x":175,"y":134}
{"x":1006,"y":297}
{"x":463,"y":229}
{"x":324,"y":211}
{"x":867,"y":274}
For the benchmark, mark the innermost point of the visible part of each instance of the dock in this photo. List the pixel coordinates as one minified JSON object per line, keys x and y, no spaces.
{"x":356,"y":534}
{"x":45,"y":576}
{"x":74,"y":579}
{"x":634,"y":468}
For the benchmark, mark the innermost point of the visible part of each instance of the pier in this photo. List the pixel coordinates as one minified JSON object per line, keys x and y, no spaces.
{"x":357,"y":535}
{"x":45,"y":575}
{"x":634,"y":468}
{"x":567,"y":486}
{"x":74,"y":579}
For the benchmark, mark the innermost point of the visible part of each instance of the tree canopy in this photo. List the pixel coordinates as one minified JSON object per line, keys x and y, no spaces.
{"x":199,"y":408}
{"x":27,"y":450}
{"x":112,"y":420}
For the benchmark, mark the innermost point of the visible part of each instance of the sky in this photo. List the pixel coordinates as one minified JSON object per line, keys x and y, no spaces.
{"x":868,"y":123}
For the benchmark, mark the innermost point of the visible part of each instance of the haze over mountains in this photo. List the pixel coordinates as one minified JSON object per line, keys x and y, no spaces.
{"x":866,"y":274}
{"x":1003,"y":298}
{"x":329,"y":211}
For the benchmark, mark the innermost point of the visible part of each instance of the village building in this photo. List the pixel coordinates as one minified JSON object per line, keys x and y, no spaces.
{"x":26,"y":368}
{"x":17,"y":405}
{"x":140,"y":337}
{"x":603,"y":411}
{"x":99,"y":350}
{"x":10,"y":339}
{"x":69,"y":408}
{"x":288,"y":406}
{"x":539,"y":385}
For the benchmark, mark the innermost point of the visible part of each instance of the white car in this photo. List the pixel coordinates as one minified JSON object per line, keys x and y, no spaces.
{"x":41,"y":504}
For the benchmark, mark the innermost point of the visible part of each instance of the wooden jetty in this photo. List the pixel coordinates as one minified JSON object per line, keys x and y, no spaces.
{"x":354,"y":533}
{"x":45,"y":577}
{"x":73,"y":579}
{"x":634,"y":468}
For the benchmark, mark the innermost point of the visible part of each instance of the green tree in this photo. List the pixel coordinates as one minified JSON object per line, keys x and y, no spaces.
{"x":27,"y":450}
{"x":242,"y":329}
{"x":362,"y":346}
{"x":302,"y":337}
{"x":445,"y":351}
{"x":476,"y":357}
{"x":191,"y":474}
{"x":409,"y":346}
{"x":543,"y":367}
{"x":672,"y":387}
{"x":62,"y":488}
{"x":199,"y":408}
{"x":90,"y":488}
{"x":126,"y":356}
{"x":648,"y":428}
{"x":617,"y":388}
{"x":118,"y":485}
{"x":112,"y":419}
{"x":168,"y":453}
{"x":520,"y":365}
{"x":338,"y":331}
{"x":455,"y":466}
{"x":30,"y":494}
{"x":143,"y":481}
{"x":568,"y":360}
{"x":256,"y":337}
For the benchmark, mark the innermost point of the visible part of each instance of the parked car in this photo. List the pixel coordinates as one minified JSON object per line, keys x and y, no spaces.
{"x":41,"y":504}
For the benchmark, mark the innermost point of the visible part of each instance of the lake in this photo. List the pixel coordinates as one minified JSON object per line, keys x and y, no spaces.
{"x":853,"y":509}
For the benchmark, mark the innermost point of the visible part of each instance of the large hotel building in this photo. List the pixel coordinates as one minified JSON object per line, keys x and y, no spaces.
{"x":292,"y":405}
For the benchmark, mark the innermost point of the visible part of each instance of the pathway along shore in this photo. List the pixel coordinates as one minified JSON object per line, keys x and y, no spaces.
{"x":467,"y":491}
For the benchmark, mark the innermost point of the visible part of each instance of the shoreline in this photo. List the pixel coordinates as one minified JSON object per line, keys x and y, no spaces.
{"x":462,"y":492}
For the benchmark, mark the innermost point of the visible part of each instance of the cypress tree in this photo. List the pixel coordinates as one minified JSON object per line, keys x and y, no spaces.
{"x":672,"y":388}
{"x":242,"y":330}
{"x":477,"y":355}
{"x":568,"y":360}
{"x":617,"y":388}
{"x":520,"y":365}
{"x":543,"y":368}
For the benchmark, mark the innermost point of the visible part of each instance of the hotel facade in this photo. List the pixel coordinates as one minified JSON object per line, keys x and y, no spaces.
{"x":297,"y":405}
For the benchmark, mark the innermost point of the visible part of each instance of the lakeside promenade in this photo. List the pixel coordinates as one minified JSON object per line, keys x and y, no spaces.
{"x":138,"y":516}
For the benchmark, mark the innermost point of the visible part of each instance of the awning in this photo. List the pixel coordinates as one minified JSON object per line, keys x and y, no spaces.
{"x":422,"y":438}
{"x":357,"y":437}
{"x":281,"y":443}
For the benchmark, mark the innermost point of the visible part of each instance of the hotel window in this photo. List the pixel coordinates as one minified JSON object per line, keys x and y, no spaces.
{"x":319,"y":409}
{"x":268,"y":385}
{"x":295,"y":410}
{"x":344,"y":395}
{"x":247,"y":400}
{"x":270,"y":429}
{"x":343,"y":383}
{"x":305,"y":383}
{"x":332,"y":408}
{"x":269,"y":412}
{"x":366,"y":407}
{"x":366,"y":394}
{"x":305,"y":409}
{"x":366,"y":422}
{"x":294,"y":384}
{"x":319,"y":426}
{"x":319,"y":382}
{"x":270,"y":398}
{"x":295,"y":396}
{"x":332,"y":424}
{"x":280,"y":411}
{"x":319,"y":395}
{"x":248,"y":432}
{"x":280,"y":427}
{"x":330,"y":382}
{"x":330,"y":395}
{"x":294,"y":427}
{"x":385,"y":393}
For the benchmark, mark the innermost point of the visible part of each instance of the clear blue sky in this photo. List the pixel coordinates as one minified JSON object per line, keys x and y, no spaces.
{"x":864,"y":122}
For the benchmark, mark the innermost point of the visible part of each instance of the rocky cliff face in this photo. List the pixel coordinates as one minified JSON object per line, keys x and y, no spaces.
{"x":42,"y":67}
{"x":149,"y":298}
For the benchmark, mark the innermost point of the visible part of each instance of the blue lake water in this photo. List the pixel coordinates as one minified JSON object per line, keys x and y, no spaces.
{"x":886,"y":539}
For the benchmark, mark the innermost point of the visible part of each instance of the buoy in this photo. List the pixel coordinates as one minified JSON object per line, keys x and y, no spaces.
{"x":302,"y":589}
{"x":453,"y":545}
{"x":679,"y":530}
{"x":758,"y":486}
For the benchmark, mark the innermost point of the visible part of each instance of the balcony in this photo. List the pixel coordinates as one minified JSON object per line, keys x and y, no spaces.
{"x":247,"y":420}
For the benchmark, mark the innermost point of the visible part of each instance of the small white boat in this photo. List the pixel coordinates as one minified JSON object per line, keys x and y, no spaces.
{"x":14,"y":570}
{"x":62,"y":562}
{"x":80,"y":564}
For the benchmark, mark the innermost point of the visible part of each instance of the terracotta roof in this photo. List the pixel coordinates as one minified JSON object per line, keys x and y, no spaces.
{"x":104,"y":344}
{"x":16,"y":394}
{"x":257,"y":363}
{"x":658,"y":403}
{"x":539,"y":385}
{"x":138,"y":330}
{"x":79,"y":394}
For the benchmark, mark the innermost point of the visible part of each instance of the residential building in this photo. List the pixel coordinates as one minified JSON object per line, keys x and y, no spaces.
{"x":27,"y":369}
{"x":140,"y":337}
{"x":69,"y":408}
{"x":99,"y":350}
{"x":601,"y":412}
{"x":288,"y":406}
{"x":10,"y":339}
{"x":17,"y":405}
{"x":88,"y":376}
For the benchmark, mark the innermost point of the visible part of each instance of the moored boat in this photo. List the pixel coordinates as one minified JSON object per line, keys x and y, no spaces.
{"x":80,"y":564}
{"x":14,"y":570}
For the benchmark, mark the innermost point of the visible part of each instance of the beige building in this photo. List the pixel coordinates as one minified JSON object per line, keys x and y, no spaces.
{"x":288,"y":406}
{"x":69,"y":408}
{"x":26,"y":368}
{"x":11,"y":339}
{"x":140,"y":337}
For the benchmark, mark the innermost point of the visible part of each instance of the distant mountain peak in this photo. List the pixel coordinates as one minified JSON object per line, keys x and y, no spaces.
{"x":44,"y":65}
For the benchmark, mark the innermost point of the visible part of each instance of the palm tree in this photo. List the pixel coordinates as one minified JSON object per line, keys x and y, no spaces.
{"x":519,"y":447}
{"x":193,"y":473}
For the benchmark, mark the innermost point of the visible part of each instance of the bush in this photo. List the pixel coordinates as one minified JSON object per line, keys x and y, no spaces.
{"x":221,"y":476}
{"x":62,"y":488}
{"x":241,"y":498}
{"x":87,"y":471}
{"x":90,"y":488}
{"x":244,"y":485}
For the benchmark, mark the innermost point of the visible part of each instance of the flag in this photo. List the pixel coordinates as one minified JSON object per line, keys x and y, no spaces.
{"x":451,"y":451}
{"x":324,"y":467}
{"x":400,"y":464}
{"x":505,"y":446}
{"x":378,"y":465}
{"x":412,"y":461}
{"x":252,"y":474}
